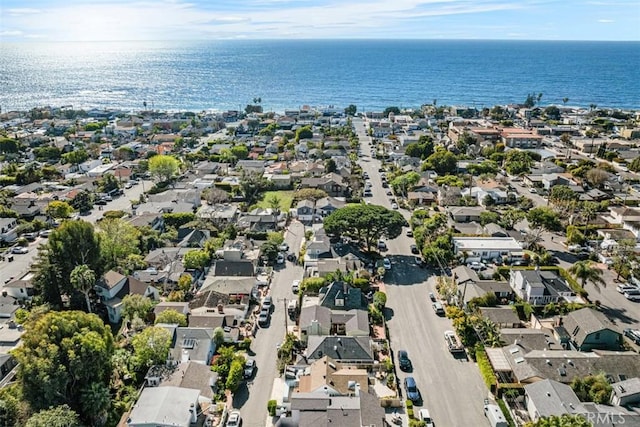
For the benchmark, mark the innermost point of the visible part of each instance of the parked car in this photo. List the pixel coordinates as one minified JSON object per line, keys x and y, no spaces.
{"x":409,"y":233}
{"x":625,"y":288}
{"x":284,"y":247}
{"x":249,"y":368}
{"x":432,"y":297}
{"x":633,"y":335}
{"x":394,"y":206}
{"x":386,"y":263}
{"x":45,"y":233}
{"x":414,"y":249}
{"x":101,"y":202}
{"x":267,"y":303}
{"x":425,"y":417}
{"x":438,"y":308}
{"x":280,"y":258}
{"x":30,"y":236}
{"x":411,"y":389}
{"x":403,"y":360}
{"x":419,"y":261}
{"x":234,"y":420}
{"x":382,"y":246}
{"x":263,"y":317}
{"x":477,"y":266}
{"x":295,"y":286}
{"x":632,"y":295}
{"x":19,"y":250}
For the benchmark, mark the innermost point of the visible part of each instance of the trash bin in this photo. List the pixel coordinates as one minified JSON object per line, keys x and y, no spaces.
{"x":10,"y":258}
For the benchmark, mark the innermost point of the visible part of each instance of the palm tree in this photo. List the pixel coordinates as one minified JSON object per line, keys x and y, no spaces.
{"x":565,"y":100}
{"x":275,"y":202}
{"x":585,"y":272}
{"x":83,"y":279}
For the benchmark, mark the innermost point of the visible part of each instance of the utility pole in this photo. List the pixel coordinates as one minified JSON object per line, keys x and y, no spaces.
{"x":286,"y":315}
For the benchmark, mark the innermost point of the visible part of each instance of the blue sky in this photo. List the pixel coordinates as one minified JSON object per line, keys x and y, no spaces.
{"x":115,"y":20}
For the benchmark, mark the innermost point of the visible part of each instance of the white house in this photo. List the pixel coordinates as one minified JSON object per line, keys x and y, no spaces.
{"x":114,"y":287}
{"x":165,"y":407}
{"x":539,"y":287}
{"x":8,"y":229}
{"x":486,"y":248}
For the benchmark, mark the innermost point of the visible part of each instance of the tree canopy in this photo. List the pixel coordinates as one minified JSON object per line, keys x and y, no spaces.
{"x":442,"y":161}
{"x":65,"y":357}
{"x":118,"y":240}
{"x":163,"y":167}
{"x":59,"y":416}
{"x":151,"y":347}
{"x":171,"y":317}
{"x":365,"y":223}
{"x":72,"y":244}
{"x":58,"y":209}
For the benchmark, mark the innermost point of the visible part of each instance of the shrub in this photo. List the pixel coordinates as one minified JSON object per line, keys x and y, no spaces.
{"x":312,"y":285}
{"x":113,"y":214}
{"x":410,"y":412}
{"x":486,"y":371}
{"x":379,"y":300}
{"x":271,"y":407}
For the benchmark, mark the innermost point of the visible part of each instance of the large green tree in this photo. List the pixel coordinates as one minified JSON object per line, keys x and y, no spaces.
{"x":59,"y":416}
{"x":163,"y":167}
{"x":171,"y":317}
{"x":72,"y":244}
{"x":151,"y":347}
{"x":365,"y":223}
{"x":404,"y":183}
{"x":136,"y":306}
{"x":196,"y":259}
{"x":540,"y":219}
{"x":64,"y":357}
{"x":442,"y":161}
{"x":58,"y":209}
{"x":118,"y":240}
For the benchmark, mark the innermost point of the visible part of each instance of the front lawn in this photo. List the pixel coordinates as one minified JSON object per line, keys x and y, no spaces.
{"x":286,"y":199}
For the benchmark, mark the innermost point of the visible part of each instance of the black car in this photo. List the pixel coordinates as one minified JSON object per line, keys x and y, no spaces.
{"x":414,"y":249}
{"x":100,"y":202}
{"x":403,"y":360}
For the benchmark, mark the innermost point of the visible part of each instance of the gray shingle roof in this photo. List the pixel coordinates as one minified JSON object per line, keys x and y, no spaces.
{"x":340,"y":348}
{"x":552,"y":398}
{"x":581,"y":323}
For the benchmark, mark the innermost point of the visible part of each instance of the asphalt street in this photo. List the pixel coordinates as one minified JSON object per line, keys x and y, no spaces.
{"x":452,"y":388}
{"x":253,"y":395}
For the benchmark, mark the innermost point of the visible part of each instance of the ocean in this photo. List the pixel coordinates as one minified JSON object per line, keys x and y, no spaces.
{"x":372,"y":74}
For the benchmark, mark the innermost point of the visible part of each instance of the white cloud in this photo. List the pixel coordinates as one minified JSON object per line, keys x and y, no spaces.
{"x":23,"y":11}
{"x":11,"y":33}
{"x":606,"y":21}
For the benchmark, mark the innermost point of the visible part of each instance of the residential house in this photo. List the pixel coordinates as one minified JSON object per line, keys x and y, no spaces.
{"x":487,"y":248}
{"x":548,"y":398}
{"x":539,"y":287}
{"x":465,"y":213}
{"x":233,"y":268}
{"x":220,"y":214}
{"x":21,"y":289}
{"x":514,"y":364}
{"x":422,"y":198}
{"x":304,"y":211}
{"x":470,"y":286}
{"x":190,"y":375}
{"x":342,"y":296}
{"x":318,"y":320}
{"x":320,"y":409}
{"x":8,"y":229}
{"x":153,"y":220}
{"x":259,"y":220}
{"x":113,"y":287}
{"x":590,"y":329}
{"x":190,"y":344}
{"x":451,"y":196}
{"x":502,"y":317}
{"x":332,"y":184}
{"x":333,"y":378}
{"x":251,"y":166}
{"x":520,"y":138}
{"x":165,"y":407}
{"x":348,"y":263}
{"x":328,"y":205}
{"x":180,"y":307}
{"x":353,"y":350}
{"x":626,"y":392}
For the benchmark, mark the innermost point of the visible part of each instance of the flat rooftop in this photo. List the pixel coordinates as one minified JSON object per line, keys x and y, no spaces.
{"x":486,"y":244}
